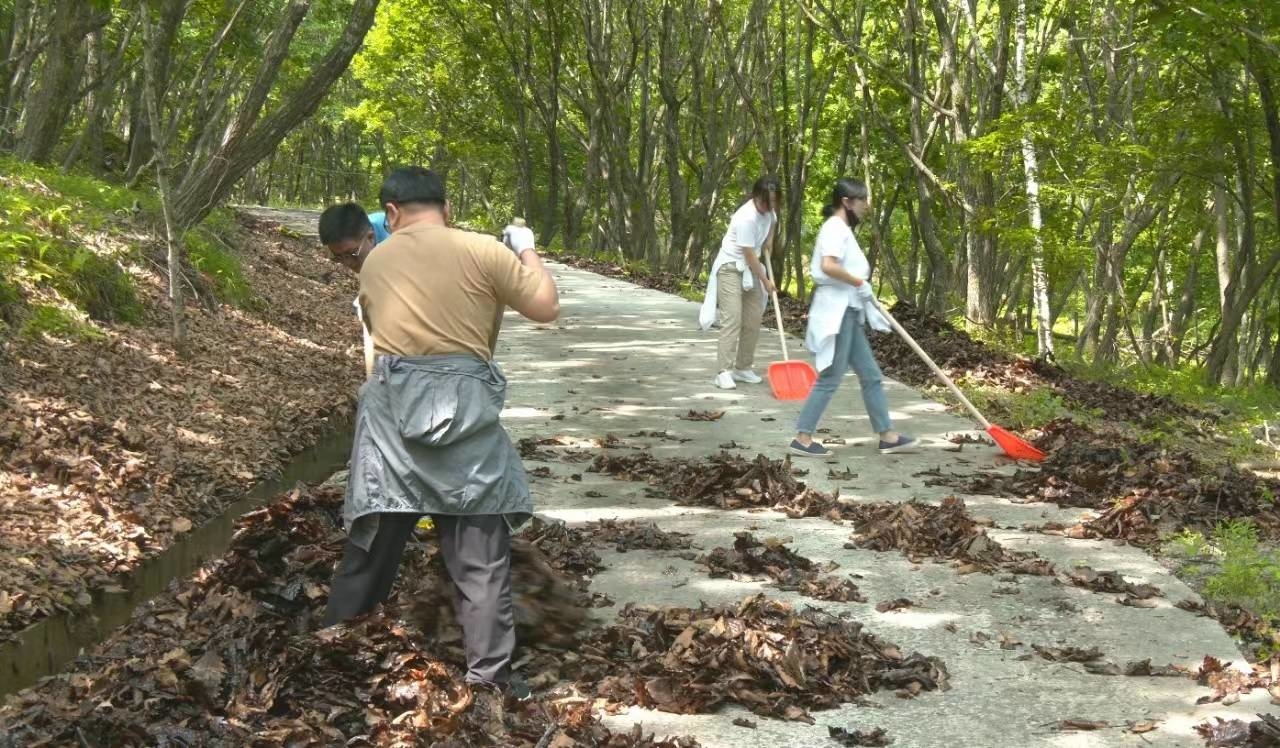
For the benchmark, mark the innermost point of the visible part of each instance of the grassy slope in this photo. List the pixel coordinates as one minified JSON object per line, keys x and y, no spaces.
{"x":110,"y":444}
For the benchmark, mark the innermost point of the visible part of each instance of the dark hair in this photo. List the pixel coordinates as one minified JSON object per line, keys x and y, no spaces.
{"x":765,"y":186}
{"x":343,"y":221}
{"x":412,"y":184}
{"x":845,"y":188}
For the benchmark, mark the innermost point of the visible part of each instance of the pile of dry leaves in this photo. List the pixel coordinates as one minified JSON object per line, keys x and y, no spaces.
{"x":551,"y":570}
{"x":232,"y":657}
{"x":1263,"y":732}
{"x":750,"y":560}
{"x":761,"y":654}
{"x":1228,"y":684}
{"x":941,"y":531}
{"x":632,"y":535}
{"x":724,"y":481}
{"x":1143,"y":489}
{"x":110,"y":448}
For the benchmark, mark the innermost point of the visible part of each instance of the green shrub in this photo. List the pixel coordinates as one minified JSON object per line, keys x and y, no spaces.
{"x":59,"y":323}
{"x":10,"y":302}
{"x":220,"y":266}
{"x":1024,"y":410}
{"x":1249,"y":574}
{"x":43,"y":217}
{"x":100,"y":287}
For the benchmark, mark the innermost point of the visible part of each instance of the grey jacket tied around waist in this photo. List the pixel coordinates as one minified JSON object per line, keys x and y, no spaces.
{"x":428,"y":441}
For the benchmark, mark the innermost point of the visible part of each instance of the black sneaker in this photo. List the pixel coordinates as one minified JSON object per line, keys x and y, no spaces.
{"x":813,"y":450}
{"x":903,"y":442}
{"x":517,"y":690}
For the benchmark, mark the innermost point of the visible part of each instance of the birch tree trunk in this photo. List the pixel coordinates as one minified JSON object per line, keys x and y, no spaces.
{"x":1039,"y":282}
{"x":160,"y":142}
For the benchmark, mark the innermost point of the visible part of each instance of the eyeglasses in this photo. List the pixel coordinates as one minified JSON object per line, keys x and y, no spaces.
{"x":348,"y":255}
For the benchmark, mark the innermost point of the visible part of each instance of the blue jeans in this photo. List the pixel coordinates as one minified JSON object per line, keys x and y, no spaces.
{"x":853,"y":351}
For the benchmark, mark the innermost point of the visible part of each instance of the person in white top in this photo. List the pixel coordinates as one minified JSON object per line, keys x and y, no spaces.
{"x":518,"y":236}
{"x":739,"y":284}
{"x":841,"y":309}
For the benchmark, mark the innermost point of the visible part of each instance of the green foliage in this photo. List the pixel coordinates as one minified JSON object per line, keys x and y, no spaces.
{"x":1023,"y":410}
{"x":100,"y":287}
{"x":1188,"y":544}
{"x":1239,"y":409}
{"x":1249,"y":573}
{"x":58,"y":322}
{"x":49,"y":230}
{"x":208,"y":254}
{"x":10,"y":303}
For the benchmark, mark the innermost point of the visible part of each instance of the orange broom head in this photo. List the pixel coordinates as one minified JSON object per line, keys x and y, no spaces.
{"x":1018,"y":449}
{"x":791,"y":380}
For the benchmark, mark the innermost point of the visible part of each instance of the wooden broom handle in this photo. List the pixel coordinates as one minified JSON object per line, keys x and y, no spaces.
{"x":986,"y":425}
{"x":777,"y":312}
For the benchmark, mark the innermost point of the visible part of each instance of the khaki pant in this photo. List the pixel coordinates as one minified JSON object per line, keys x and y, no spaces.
{"x":739,"y":314}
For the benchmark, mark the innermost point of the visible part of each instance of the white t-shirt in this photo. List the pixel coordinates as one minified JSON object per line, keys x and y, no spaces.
{"x":836,"y":239}
{"x":518,"y":238}
{"x":748,"y":228}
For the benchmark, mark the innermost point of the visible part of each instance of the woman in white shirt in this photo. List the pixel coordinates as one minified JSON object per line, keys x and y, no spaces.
{"x":740,"y":283}
{"x":838,"y":316}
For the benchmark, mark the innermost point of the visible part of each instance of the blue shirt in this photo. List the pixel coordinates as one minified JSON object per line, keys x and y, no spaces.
{"x":380,"y":231}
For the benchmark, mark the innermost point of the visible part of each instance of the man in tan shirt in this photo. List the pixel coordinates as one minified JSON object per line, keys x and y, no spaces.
{"x":428,"y":439}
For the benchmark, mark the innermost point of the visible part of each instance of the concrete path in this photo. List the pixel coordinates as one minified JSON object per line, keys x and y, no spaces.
{"x":623,"y":359}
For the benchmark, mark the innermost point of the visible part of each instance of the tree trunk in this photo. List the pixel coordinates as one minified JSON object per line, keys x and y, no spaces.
{"x":1039,"y":282}
{"x":173,"y":243}
{"x":252,"y":137}
{"x":49,"y":101}
{"x":17,"y":56}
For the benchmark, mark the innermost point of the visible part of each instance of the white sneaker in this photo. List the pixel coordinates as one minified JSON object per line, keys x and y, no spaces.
{"x":724,"y":380}
{"x":747,"y":375}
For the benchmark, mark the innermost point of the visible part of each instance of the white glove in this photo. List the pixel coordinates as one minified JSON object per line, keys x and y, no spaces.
{"x":864,"y":292}
{"x":875,"y":319}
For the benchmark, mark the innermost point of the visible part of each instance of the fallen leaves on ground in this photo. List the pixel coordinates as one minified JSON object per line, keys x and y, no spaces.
{"x":941,"y":531}
{"x":726,"y":481}
{"x":232,"y":656}
{"x":702,"y":415}
{"x":110,"y":448}
{"x":1067,"y":654}
{"x":564,"y":448}
{"x":1110,"y":581}
{"x":1144,"y":726}
{"x":632,"y":535}
{"x":919,"y":530}
{"x":750,"y":560}
{"x":1227,"y":684}
{"x":1072,"y":725}
{"x":1264,"y":732}
{"x":761,"y":654}
{"x":876,"y":738}
{"x":1140,"y":489}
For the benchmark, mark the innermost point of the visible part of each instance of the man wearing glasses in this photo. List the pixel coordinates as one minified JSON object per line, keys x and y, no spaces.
{"x":350,"y":234}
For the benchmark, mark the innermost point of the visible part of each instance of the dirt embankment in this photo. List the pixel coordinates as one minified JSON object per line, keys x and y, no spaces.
{"x":111,"y":448}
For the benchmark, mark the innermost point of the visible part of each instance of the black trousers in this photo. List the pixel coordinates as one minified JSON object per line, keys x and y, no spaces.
{"x":477,"y":553}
